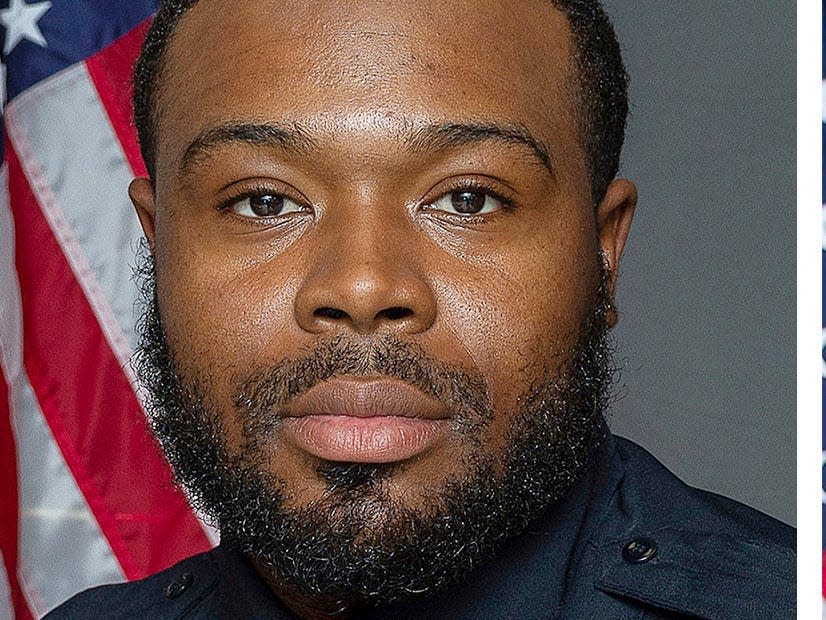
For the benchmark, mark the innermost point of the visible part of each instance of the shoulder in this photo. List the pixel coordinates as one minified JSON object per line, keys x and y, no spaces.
{"x":665,"y":499}
{"x":676,"y":548}
{"x":171,"y":593}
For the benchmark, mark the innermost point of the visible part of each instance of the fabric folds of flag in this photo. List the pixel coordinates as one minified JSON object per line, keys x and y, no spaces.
{"x":85,"y":494}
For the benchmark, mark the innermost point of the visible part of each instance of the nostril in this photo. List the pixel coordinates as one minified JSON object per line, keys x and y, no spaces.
{"x":395,"y":313}
{"x":329,"y":313}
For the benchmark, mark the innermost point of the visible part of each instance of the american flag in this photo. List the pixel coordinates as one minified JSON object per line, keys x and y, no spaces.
{"x":85,"y":494}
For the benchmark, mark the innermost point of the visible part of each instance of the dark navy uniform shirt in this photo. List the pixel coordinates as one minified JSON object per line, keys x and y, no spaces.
{"x":628,"y":541}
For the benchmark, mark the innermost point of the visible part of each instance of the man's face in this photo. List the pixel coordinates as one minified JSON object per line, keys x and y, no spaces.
{"x":342,"y":187}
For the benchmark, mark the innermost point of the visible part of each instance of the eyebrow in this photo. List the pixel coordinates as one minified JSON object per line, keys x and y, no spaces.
{"x":452,"y":135}
{"x":290,"y":137}
{"x":295,"y":139}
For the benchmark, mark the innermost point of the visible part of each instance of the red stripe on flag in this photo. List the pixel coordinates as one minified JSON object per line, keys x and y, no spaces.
{"x":10,"y":506}
{"x":90,"y":406}
{"x":111,"y":73}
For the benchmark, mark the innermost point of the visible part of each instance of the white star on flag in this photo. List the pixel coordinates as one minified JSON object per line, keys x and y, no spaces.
{"x":20,"y":20}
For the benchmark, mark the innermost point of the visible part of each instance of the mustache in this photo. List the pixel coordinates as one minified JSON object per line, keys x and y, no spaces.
{"x":263,"y":395}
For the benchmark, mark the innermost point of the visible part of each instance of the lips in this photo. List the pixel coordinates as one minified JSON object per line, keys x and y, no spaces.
{"x":365,"y":420}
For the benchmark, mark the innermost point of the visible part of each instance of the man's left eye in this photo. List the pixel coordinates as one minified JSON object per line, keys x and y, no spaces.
{"x":467,"y":202}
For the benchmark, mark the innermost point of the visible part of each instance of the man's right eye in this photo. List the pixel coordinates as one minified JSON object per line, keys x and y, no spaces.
{"x":264,"y":205}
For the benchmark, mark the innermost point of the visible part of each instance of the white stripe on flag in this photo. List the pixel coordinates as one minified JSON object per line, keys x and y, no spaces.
{"x":80,"y":176}
{"x":50,"y":569}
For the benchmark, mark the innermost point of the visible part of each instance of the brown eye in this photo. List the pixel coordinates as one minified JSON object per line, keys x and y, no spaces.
{"x":265,"y":205}
{"x":467,"y":202}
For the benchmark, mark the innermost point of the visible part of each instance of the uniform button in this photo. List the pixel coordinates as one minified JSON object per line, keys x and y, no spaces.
{"x":179,"y":586}
{"x":639,"y":551}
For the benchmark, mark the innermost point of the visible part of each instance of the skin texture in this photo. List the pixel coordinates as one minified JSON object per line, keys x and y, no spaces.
{"x":371,"y":247}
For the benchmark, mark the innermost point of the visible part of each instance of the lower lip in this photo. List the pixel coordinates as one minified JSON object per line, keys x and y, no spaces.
{"x":378,"y":439}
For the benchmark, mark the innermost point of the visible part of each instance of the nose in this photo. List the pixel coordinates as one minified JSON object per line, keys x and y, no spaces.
{"x":365,"y":277}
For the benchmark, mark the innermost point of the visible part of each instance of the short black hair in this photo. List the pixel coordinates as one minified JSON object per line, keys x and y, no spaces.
{"x":603,"y":87}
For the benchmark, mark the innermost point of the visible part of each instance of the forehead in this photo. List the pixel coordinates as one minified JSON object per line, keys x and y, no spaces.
{"x":355,"y":67}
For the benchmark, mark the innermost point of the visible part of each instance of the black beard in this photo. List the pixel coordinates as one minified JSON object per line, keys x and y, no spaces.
{"x":356,"y":542}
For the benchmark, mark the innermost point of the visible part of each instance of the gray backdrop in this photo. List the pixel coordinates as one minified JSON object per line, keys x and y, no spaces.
{"x":707,"y":285}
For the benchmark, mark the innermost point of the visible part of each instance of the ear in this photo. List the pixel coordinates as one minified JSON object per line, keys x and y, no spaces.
{"x":142,"y":195}
{"x":614,"y":215}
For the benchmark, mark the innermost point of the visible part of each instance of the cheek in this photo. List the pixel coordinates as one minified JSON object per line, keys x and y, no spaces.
{"x":224,"y":313}
{"x":519,"y":317}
